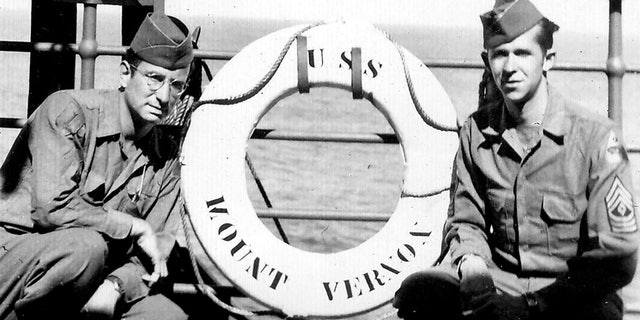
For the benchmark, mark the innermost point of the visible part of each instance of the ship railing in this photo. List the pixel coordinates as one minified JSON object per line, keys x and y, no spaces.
{"x":271,"y":134}
{"x":89,"y":49}
{"x":87,"y":79}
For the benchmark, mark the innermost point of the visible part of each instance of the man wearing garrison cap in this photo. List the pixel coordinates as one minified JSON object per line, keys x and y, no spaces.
{"x":89,"y":204}
{"x":541,"y":222}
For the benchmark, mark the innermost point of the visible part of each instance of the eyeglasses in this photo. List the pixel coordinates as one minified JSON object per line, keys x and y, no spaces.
{"x":156,"y":81}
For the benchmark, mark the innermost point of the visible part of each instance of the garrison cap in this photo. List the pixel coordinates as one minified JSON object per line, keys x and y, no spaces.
{"x":508,"y":20}
{"x":163,"y":41}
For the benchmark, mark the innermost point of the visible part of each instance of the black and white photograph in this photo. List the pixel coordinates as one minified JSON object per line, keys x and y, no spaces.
{"x":325,"y":159}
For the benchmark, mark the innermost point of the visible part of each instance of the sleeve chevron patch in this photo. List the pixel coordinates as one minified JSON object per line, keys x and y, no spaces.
{"x":619,"y":203}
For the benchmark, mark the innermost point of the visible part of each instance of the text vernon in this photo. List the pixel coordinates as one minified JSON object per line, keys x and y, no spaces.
{"x":378,"y":276}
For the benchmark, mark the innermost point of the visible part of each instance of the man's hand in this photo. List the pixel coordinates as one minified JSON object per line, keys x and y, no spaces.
{"x":471,"y":266}
{"x":147,"y":241}
{"x":480,"y":300}
{"x":102,"y":304}
{"x":476,"y":284}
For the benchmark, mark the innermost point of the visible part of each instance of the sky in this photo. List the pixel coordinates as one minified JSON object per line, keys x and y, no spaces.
{"x":576,"y":17}
{"x":587,"y":19}
{"x":588,"y":16}
{"x":584,"y":15}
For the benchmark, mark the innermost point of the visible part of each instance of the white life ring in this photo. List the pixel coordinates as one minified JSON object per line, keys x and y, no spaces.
{"x":297,"y":282}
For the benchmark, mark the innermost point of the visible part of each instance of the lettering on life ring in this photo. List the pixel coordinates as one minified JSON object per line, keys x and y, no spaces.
{"x":297,"y":282}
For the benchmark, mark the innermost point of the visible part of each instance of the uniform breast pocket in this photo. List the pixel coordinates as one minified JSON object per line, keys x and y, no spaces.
{"x":499,"y":215}
{"x":562,"y":215}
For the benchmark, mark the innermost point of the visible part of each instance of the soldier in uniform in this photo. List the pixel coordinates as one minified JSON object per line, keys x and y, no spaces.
{"x":541,"y":222}
{"x":90,"y":201}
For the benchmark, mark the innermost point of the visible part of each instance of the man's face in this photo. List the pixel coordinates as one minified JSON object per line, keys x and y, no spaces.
{"x":149,"y":106}
{"x":518,"y":66}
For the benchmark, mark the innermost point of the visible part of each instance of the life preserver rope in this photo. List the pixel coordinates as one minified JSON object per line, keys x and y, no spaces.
{"x":416,"y":102}
{"x":425,"y":116}
{"x":260,"y":84}
{"x":297,"y":282}
{"x":208,"y":290}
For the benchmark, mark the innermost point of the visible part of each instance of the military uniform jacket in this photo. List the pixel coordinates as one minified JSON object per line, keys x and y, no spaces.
{"x":71,"y":166}
{"x":531,"y":212}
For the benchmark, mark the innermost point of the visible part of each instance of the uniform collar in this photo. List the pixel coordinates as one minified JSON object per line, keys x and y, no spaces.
{"x":556,"y":119}
{"x":158,"y":145}
{"x":494,"y":118}
{"x":109,"y":122}
{"x":115,"y":122}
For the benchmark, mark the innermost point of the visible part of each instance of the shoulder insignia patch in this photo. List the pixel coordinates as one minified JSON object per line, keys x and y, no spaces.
{"x":619,"y":204}
{"x":615,"y":152}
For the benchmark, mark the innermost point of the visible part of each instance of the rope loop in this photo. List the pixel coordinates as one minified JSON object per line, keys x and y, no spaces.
{"x":260,"y":85}
{"x":427,"y":119}
{"x":267,"y":77}
{"x":208,"y":290}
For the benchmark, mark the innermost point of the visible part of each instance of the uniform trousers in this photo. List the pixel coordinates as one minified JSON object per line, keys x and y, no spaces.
{"x":608,"y":308}
{"x":52,"y":275}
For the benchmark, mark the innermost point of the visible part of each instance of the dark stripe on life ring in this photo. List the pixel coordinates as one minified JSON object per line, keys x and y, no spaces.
{"x":356,"y":73}
{"x":303,"y":62}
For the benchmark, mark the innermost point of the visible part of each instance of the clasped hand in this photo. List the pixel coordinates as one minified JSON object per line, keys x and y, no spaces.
{"x":479,"y":297}
{"x":147,"y":241}
{"x":103,"y":302}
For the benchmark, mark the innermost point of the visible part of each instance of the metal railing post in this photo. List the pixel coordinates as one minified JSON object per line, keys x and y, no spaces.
{"x":615,"y":64}
{"x":88,"y":47}
{"x":49,"y":71}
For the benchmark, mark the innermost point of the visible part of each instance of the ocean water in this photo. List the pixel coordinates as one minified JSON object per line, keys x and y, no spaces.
{"x":340,"y":176}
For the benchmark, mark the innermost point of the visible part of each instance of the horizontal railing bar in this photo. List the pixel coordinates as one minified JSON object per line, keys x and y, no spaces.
{"x":563,"y":66}
{"x":22,"y":46}
{"x":12,"y":122}
{"x":57,"y":47}
{"x":214,"y":55}
{"x":190,"y":288}
{"x":38,"y":46}
{"x":305,"y":214}
{"x":112,"y":2}
{"x":19,"y":46}
{"x":270,"y":134}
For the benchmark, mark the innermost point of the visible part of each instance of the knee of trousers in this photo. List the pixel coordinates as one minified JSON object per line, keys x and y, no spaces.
{"x":67,"y":264}
{"x":157,"y":307}
{"x":428,"y":292}
{"x":84,"y":253}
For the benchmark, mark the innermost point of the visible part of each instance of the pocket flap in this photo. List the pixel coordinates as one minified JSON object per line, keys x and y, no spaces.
{"x":559,"y":209}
